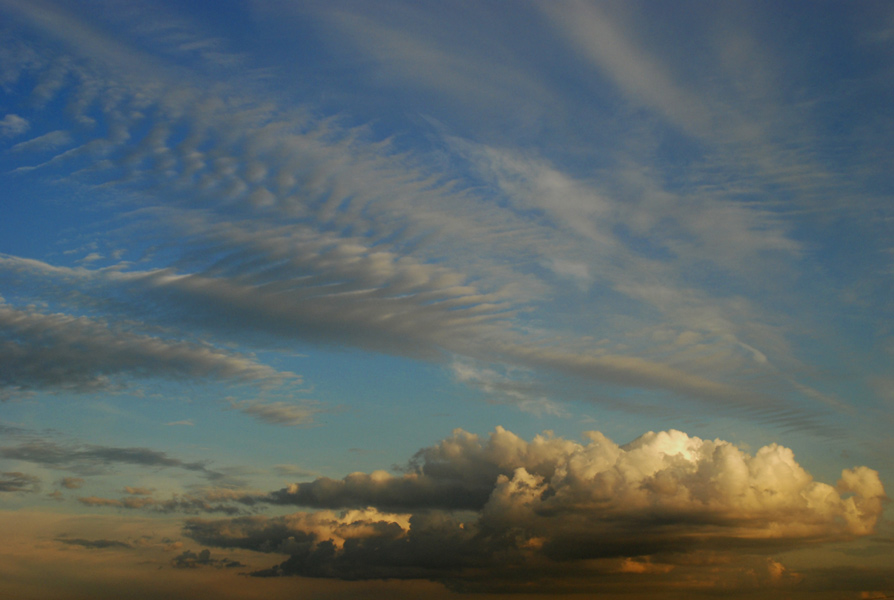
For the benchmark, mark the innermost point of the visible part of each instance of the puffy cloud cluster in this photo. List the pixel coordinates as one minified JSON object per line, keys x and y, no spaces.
{"x":508,"y":505}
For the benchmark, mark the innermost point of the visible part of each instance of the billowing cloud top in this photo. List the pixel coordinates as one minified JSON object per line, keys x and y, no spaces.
{"x":506,"y":504}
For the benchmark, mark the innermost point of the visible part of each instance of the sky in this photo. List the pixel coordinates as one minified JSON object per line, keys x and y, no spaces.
{"x":494,"y":299}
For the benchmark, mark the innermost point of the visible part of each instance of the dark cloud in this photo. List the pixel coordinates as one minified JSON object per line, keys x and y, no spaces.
{"x":384,"y":490}
{"x":65,"y":352}
{"x":72,"y":483}
{"x":94,"y":544}
{"x":185,"y":503}
{"x":459,"y":473}
{"x":14,"y":481}
{"x":524,"y":511}
{"x":92,"y":459}
{"x":191,"y":560}
{"x":288,"y":414}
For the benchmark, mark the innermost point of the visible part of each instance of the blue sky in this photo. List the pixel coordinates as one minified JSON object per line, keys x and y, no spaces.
{"x":446,"y":298}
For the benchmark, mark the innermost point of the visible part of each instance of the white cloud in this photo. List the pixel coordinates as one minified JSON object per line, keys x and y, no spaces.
{"x":512,"y":387}
{"x":603,"y":40}
{"x":12,"y":125}
{"x":473,"y":70}
{"x":47,"y":141}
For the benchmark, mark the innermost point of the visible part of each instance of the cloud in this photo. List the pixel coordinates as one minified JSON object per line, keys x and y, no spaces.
{"x":528,"y":396}
{"x":94,"y":544}
{"x":602,"y":40}
{"x":468,"y":66}
{"x":312,"y":232}
{"x":177,"y":503}
{"x":65,"y":352}
{"x":91,"y":459}
{"x":301,"y":229}
{"x":279,"y":413}
{"x":507,"y":506}
{"x":191,"y":560}
{"x":12,"y":125}
{"x":376,"y":301}
{"x":48,"y":141}
{"x":72,"y":483}
{"x":293,"y":471}
{"x":97,"y":501}
{"x":14,"y":481}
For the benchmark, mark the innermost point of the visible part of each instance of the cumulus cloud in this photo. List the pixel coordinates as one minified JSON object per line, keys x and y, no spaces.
{"x":508,"y":505}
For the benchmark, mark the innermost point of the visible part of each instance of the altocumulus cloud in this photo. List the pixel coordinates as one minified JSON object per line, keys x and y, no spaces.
{"x":527,"y":511}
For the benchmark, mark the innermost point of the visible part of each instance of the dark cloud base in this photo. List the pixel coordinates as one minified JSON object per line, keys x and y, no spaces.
{"x":505,"y":514}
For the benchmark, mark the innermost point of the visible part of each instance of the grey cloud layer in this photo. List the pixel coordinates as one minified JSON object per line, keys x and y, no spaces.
{"x":90,"y":459}
{"x":60,"y":351}
{"x":94,"y":544}
{"x":506,"y":505}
